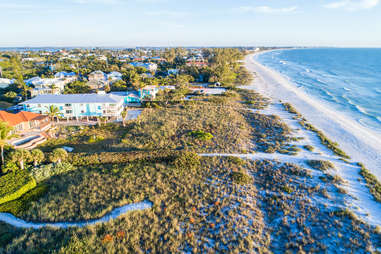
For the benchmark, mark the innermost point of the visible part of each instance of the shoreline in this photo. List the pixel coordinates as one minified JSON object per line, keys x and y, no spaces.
{"x":361,"y":144}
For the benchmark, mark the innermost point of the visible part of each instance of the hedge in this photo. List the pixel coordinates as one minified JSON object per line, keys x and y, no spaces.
{"x":15,"y":184}
{"x":87,"y":159}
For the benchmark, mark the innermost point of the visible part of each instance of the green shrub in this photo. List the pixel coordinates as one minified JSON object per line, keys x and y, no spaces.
{"x":201,"y":135}
{"x":320,"y":165}
{"x":236,"y":160}
{"x":94,"y":139}
{"x":18,"y":206}
{"x":290,"y":108}
{"x":287,"y":189}
{"x":188,"y":161}
{"x":46,"y":171}
{"x":240,"y":177}
{"x":372,"y":182}
{"x":14,"y":184}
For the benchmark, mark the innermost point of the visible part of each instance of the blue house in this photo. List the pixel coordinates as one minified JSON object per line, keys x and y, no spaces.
{"x":77,"y":105}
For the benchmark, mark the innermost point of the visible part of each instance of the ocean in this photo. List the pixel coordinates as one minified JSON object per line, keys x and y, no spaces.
{"x":346,"y":80}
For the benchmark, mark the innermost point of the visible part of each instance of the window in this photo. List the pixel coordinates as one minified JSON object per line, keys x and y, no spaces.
{"x":67,"y":105}
{"x":82,"y":111}
{"x":69,"y":111}
{"x":81,"y":105}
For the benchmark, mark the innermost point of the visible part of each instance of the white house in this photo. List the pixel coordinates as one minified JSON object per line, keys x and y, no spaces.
{"x":4,"y":82}
{"x":149,"y":66}
{"x":114,"y":76}
{"x":47,"y":85}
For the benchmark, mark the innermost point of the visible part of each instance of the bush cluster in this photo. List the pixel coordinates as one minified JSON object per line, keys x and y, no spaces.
{"x":14,"y":184}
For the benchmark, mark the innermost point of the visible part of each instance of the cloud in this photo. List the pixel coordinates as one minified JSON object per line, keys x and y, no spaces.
{"x":266,"y":9}
{"x":353,"y":5}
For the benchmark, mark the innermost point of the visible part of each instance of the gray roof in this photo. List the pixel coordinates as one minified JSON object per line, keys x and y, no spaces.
{"x":75,"y":98}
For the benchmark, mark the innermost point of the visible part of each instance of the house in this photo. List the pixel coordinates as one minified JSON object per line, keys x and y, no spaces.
{"x":114,"y":76}
{"x":128,"y":97}
{"x":25,"y":121}
{"x":66,"y":75}
{"x":77,"y":105}
{"x":4,"y":82}
{"x":97,"y":79}
{"x":152,"y":67}
{"x":173,"y":72}
{"x":47,"y":85}
{"x":97,"y":76}
{"x":148,"y":92}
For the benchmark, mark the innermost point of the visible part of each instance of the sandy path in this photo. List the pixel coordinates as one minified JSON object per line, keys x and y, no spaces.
{"x":117,"y":212}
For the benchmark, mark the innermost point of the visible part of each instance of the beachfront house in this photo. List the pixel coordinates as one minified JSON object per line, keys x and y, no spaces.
{"x":148,"y":92}
{"x":78,"y":105}
{"x":129,"y":97}
{"x":25,"y":121}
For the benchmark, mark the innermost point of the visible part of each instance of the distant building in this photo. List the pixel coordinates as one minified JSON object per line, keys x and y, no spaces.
{"x":152,"y":67}
{"x":97,"y":76}
{"x":173,"y":71}
{"x":77,"y":105}
{"x":148,"y":92}
{"x":4,"y":82}
{"x":47,"y":86}
{"x":97,"y":79}
{"x":114,"y":76}
{"x":65,"y":75}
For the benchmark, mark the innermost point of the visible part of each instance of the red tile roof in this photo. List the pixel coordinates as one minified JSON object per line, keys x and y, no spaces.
{"x":15,"y":119}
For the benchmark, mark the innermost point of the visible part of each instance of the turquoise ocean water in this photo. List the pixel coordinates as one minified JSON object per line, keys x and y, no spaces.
{"x":348,"y":80}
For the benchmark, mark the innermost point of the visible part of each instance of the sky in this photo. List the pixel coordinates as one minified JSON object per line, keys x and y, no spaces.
{"x":130,"y":23}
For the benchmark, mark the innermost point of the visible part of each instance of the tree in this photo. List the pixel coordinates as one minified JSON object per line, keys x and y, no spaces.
{"x":5,"y":135}
{"x":53,"y":112}
{"x":124,"y":115}
{"x":77,"y":87}
{"x":20,"y":156}
{"x":37,"y":156}
{"x":182,"y":80}
{"x":58,"y":155}
{"x":10,"y":95}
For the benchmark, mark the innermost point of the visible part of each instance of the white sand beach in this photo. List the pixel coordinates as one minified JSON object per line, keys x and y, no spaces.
{"x":360,"y":144}
{"x":357,"y":142}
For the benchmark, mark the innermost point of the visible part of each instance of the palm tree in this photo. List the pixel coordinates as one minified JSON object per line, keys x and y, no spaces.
{"x":58,"y":155}
{"x":103,"y":119}
{"x":21,"y":156}
{"x":53,"y":112}
{"x":5,"y":135}
{"x":37,"y":156}
{"x":124,"y":115}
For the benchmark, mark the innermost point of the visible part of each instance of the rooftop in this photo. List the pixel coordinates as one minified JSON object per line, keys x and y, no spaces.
{"x":74,"y":98}
{"x":15,"y":119}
